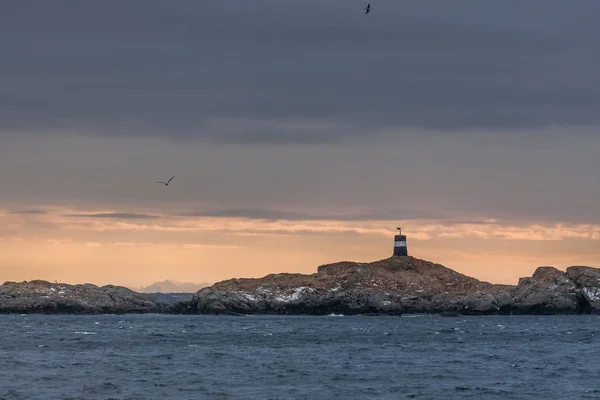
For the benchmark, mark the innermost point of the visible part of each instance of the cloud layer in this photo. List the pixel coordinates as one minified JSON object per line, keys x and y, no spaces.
{"x":115,"y":215}
{"x":137,"y":251}
{"x":281,"y":71}
{"x":299,"y":132}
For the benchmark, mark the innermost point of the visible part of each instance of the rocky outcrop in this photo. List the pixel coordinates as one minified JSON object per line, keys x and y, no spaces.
{"x":587,"y":283}
{"x":548,"y":291}
{"x":399,"y":285}
{"x":393,"y":286}
{"x":59,"y":298}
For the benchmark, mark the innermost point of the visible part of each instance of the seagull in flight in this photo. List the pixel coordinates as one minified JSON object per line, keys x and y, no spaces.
{"x":367,"y":8}
{"x":167,"y":182}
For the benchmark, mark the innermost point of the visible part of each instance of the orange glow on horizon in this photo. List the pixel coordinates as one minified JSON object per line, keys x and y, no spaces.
{"x":138,"y":252}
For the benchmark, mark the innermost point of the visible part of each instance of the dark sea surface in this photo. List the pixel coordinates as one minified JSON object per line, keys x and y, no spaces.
{"x":270,"y":357}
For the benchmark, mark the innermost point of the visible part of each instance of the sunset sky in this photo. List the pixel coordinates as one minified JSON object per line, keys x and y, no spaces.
{"x":300,"y":133}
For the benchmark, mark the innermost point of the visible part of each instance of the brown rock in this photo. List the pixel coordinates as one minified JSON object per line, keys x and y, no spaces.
{"x":58,"y":298}
{"x":395,"y":285}
{"x":399,"y":285}
{"x":587,"y":280}
{"x":548,"y":291}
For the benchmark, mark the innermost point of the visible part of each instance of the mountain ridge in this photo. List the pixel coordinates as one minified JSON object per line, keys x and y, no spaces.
{"x":171,"y":286}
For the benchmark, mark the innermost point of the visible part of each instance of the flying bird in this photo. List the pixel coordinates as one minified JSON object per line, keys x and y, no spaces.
{"x":167,"y":182}
{"x":367,"y":8}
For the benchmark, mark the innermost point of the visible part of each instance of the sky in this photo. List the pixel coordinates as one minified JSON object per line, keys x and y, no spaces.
{"x":299,"y":133}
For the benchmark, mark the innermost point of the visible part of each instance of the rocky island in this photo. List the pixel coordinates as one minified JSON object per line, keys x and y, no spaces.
{"x":399,"y":285}
{"x":393,"y":286}
{"x":43,"y":297}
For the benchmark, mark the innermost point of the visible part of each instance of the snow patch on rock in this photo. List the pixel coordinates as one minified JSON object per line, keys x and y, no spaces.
{"x":295,"y":295}
{"x":592,"y":293}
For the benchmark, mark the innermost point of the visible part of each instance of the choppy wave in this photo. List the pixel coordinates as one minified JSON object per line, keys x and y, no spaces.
{"x":268,"y":357}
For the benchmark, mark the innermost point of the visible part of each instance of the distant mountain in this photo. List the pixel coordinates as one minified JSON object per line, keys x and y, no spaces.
{"x":168,"y":286}
{"x":168,"y":300}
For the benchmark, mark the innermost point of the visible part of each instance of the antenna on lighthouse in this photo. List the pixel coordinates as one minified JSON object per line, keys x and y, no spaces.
{"x":400,"y":244}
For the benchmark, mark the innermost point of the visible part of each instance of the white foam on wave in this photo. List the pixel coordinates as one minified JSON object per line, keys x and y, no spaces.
{"x":85,"y":333}
{"x":335,"y":315}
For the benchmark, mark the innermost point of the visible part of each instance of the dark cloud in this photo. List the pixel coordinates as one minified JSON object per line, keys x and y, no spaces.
{"x":283,"y":71}
{"x":251,"y":214}
{"x":32,"y":211}
{"x":266,"y":214}
{"x":458,"y":177}
{"x":114,"y":215}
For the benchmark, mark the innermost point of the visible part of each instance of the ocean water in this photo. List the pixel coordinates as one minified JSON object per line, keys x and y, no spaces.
{"x":271,"y":357}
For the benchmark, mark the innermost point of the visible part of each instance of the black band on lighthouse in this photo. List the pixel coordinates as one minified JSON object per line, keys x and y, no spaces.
{"x":400,"y":248}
